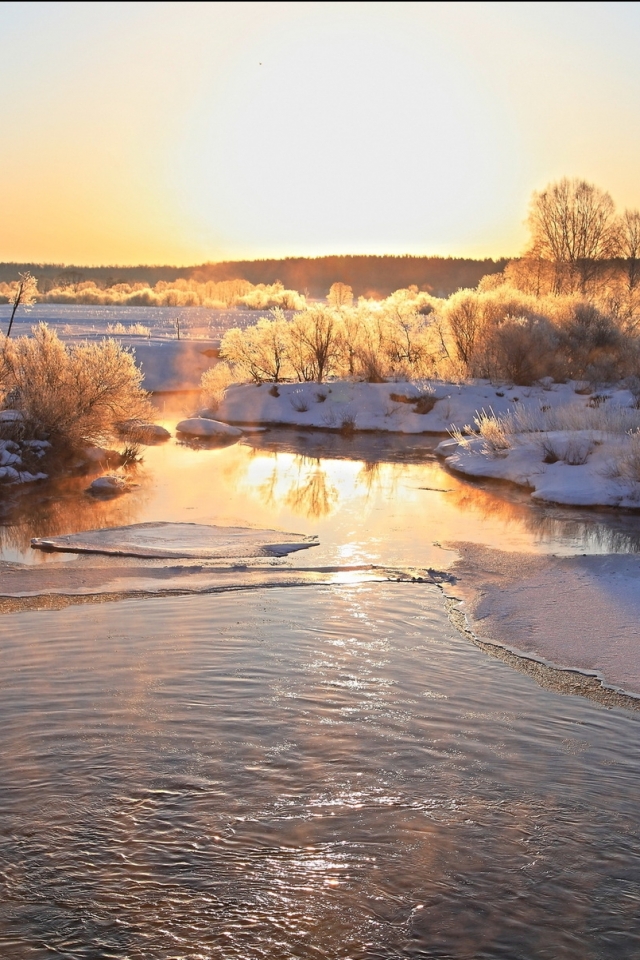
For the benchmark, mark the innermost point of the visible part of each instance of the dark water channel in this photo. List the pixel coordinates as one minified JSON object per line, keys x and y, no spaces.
{"x":327,"y":771}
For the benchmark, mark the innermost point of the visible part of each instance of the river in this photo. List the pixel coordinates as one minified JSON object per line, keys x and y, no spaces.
{"x":330,"y":770}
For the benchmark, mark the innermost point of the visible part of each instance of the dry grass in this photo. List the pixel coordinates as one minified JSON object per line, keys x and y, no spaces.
{"x":299,"y":402}
{"x":626,"y":465}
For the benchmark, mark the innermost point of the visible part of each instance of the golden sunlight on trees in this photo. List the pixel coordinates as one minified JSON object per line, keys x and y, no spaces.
{"x":74,"y":394}
{"x":340,"y":295}
{"x":175,"y":293}
{"x":23,"y":293}
{"x":574,"y":228}
{"x":497,"y":332}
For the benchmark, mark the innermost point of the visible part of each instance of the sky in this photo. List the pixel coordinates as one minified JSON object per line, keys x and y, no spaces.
{"x":191,"y":132}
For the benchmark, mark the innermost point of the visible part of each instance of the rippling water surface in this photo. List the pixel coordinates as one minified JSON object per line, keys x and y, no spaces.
{"x":327,"y":772}
{"x":314,"y":772}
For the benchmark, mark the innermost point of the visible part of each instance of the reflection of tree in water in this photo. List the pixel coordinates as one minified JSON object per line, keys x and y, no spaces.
{"x":267,"y":490}
{"x":60,"y":508}
{"x":311,"y":495}
{"x":375,"y":476}
{"x":595,"y":531}
{"x":369,"y":476}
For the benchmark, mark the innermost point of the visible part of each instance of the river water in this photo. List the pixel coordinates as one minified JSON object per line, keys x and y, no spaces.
{"x":321,"y":771}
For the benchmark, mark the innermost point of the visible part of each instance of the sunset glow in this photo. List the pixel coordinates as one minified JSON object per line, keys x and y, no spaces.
{"x":165,"y":132}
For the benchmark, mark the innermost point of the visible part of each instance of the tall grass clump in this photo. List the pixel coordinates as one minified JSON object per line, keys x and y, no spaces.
{"x":72,"y":394}
{"x":626,"y":464}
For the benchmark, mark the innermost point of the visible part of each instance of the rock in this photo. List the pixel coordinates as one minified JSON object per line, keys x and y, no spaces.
{"x":143,"y":432}
{"x":205,"y":428}
{"x":108,"y":486}
{"x":99,"y":455}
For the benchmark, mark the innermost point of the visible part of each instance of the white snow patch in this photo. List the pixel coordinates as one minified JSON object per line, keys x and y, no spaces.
{"x":369,"y":406}
{"x":203,"y":427}
{"x":582,"y":474}
{"x":109,"y":486}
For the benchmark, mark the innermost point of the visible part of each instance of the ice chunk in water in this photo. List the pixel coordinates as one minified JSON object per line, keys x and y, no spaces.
{"x":194,"y":540}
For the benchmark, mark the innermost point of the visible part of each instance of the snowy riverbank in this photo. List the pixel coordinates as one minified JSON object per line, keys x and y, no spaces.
{"x":576,"y":613}
{"x":395,"y":407}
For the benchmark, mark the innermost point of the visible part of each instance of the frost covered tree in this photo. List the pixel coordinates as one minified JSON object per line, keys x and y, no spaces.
{"x":340,"y":295}
{"x":74,"y":393}
{"x":24,"y":294}
{"x":573,"y":225}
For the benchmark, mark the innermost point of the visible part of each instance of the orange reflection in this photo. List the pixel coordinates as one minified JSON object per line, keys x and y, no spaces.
{"x":385,"y":502}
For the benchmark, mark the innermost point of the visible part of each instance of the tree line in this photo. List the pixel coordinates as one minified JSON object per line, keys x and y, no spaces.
{"x":376,"y":276}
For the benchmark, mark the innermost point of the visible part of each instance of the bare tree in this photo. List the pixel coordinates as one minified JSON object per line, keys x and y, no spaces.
{"x":629,"y":238}
{"x":314,"y":335}
{"x":24,"y":295}
{"x":573,"y":225}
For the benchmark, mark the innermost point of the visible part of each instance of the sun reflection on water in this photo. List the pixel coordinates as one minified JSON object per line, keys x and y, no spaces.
{"x":371,"y":500}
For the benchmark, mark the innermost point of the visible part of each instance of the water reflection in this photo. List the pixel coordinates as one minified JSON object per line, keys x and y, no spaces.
{"x":387,"y":497}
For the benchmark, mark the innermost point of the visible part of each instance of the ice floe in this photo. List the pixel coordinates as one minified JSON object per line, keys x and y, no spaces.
{"x":179,"y":540}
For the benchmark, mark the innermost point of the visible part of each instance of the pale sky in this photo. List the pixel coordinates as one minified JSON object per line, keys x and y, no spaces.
{"x":185,"y":132}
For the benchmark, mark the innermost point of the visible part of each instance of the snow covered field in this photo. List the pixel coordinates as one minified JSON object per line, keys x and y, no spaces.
{"x":168,"y":363}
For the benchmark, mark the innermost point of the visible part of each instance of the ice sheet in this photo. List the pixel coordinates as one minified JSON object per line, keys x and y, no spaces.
{"x":581,"y":613}
{"x":176,"y":540}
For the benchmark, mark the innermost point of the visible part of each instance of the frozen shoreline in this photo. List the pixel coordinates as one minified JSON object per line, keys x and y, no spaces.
{"x":577,"y":614}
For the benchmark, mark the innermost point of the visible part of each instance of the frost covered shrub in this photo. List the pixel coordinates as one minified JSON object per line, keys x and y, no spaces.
{"x":267,"y":296}
{"x":520,"y":350}
{"x":175,"y":293}
{"x":585,"y":334}
{"x":259,"y":352}
{"x":71,"y":393}
{"x":508,"y":334}
{"x":573,"y":450}
{"x":215,"y":381}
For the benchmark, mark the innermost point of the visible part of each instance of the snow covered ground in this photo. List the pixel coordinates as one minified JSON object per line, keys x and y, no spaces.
{"x":168,"y":363}
{"x":398,"y":407}
{"x":580,"y":613}
{"x":575,"y":468}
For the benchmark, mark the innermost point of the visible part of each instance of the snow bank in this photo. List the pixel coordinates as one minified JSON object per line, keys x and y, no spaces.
{"x":576,"y":612}
{"x":390,"y":407}
{"x":574,"y":468}
{"x":179,"y":540}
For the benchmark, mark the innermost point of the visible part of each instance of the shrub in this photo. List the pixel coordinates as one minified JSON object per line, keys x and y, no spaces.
{"x":299,"y":402}
{"x":215,"y":381}
{"x":572,"y":450}
{"x":74,"y":394}
{"x":494,"y":432}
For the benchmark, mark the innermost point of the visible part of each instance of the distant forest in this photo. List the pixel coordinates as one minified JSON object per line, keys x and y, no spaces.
{"x":369,"y":276}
